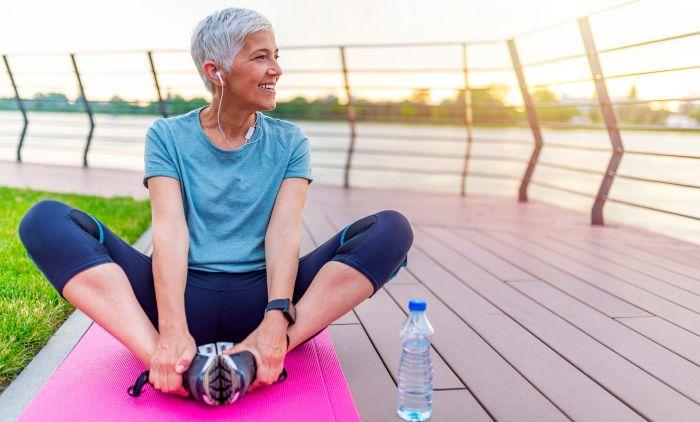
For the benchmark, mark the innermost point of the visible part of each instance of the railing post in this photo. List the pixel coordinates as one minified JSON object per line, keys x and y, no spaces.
{"x":163,"y":108}
{"x":609,"y":118}
{"x":20,"y":104}
{"x":351,"y":118}
{"x":87,"y":109}
{"x":468,"y":119}
{"x":532,"y":120}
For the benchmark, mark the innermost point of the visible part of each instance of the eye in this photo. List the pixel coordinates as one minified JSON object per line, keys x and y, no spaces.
{"x":260,"y":57}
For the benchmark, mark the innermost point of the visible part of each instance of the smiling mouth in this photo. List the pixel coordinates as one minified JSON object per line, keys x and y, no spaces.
{"x":267,"y":87}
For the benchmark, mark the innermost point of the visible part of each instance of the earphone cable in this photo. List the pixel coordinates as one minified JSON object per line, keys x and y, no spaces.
{"x":218,"y":122}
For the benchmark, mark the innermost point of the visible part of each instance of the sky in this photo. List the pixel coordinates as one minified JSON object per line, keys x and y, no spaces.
{"x":39,"y":26}
{"x":78,"y":25}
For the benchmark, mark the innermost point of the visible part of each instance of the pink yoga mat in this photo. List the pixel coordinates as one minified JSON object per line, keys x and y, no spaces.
{"x":91,"y":384}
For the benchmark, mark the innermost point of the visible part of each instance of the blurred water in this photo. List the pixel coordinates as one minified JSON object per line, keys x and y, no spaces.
{"x":118,"y":142}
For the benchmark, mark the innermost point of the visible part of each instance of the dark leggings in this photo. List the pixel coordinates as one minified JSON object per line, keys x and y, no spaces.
{"x":62,"y":241}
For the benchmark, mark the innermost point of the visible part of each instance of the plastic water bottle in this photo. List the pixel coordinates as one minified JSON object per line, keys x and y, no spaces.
{"x":415,"y":395}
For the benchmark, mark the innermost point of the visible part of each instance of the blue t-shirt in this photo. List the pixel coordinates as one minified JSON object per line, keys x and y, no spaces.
{"x":227,"y":196}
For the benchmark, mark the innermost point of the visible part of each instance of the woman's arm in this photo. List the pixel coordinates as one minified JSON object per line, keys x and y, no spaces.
{"x":176,"y":346}
{"x":170,"y":249}
{"x":283,"y":239}
{"x":268,"y":343}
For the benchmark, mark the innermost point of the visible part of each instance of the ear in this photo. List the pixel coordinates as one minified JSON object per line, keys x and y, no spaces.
{"x":213,"y":73}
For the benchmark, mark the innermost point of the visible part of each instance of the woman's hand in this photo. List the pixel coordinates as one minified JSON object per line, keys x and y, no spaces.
{"x":268,"y":343}
{"x":172,"y":357}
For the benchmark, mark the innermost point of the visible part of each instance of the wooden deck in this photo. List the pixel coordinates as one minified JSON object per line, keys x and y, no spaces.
{"x":537,"y":315}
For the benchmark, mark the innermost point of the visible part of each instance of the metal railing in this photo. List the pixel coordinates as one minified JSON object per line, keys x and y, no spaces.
{"x":353,"y":114}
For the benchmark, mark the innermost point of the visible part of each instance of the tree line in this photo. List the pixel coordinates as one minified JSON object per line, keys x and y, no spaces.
{"x":489,"y":107}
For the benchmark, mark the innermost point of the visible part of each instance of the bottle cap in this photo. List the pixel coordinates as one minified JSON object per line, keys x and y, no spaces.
{"x":416,"y":305}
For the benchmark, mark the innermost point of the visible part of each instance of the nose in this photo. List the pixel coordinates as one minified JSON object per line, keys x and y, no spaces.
{"x":275,"y":70}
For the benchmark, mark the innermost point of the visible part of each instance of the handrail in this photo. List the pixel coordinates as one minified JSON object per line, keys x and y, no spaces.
{"x":468,"y":111}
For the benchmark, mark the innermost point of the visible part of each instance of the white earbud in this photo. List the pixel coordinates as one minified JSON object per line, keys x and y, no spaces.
{"x":218,"y":74}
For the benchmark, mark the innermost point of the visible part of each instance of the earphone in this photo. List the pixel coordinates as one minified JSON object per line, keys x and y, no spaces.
{"x":250,"y":132}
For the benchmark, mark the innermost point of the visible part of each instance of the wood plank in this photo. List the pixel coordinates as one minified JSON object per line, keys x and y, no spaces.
{"x":643,"y":352}
{"x":670,"y":292}
{"x":663,"y":364}
{"x":659,"y":361}
{"x":688,"y":254}
{"x":371,"y":386}
{"x":503,"y":269}
{"x":638,"y":265}
{"x":645,"y":394}
{"x":671,"y":336}
{"x":656,"y":305}
{"x":570,"y":390}
{"x":603,"y":301}
{"x":348,"y":318}
{"x":457,"y":405}
{"x":655,"y":259}
{"x":484,"y":370}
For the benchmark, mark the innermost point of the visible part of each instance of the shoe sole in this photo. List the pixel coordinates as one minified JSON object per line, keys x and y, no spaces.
{"x":226,"y":372}
{"x":216,"y":379}
{"x":210,"y":381}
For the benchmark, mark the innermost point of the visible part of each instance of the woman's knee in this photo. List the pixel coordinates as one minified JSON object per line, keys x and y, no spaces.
{"x":57,"y":238}
{"x":47,"y":214}
{"x":377,"y":246}
{"x":389,"y":227}
{"x":398,"y":226}
{"x":38,"y":220}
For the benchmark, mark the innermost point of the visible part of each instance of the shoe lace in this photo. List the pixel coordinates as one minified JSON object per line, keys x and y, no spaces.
{"x":136,"y":389}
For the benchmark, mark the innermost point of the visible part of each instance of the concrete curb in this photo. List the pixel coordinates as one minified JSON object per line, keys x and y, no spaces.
{"x":25,"y":387}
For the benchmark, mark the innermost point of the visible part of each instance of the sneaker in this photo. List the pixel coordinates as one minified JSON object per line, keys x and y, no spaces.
{"x":213,"y":377}
{"x":202,"y":379}
{"x":237,"y":371}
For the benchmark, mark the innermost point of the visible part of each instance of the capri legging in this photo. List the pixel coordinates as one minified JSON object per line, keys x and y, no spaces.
{"x":62,"y":241}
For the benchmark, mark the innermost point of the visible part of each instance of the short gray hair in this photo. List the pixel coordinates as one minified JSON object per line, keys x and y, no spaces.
{"x":220,"y":36}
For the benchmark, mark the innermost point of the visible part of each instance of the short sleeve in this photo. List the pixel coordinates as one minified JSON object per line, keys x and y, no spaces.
{"x":300,"y":161}
{"x":158,"y":161}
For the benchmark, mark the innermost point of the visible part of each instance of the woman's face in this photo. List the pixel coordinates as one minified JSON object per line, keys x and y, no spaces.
{"x":254,"y":66}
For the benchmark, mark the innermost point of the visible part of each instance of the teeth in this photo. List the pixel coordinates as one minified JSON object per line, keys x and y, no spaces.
{"x":267,"y":86}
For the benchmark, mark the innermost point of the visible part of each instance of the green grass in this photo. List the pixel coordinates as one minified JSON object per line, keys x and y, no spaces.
{"x":30,"y":309}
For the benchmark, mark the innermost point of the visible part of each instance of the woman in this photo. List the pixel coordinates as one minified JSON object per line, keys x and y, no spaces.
{"x":227,"y":186}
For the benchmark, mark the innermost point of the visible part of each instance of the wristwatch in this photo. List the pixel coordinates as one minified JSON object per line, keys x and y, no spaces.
{"x":286,"y":306}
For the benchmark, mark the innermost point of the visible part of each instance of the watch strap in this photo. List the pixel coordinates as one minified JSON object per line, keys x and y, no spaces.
{"x":286,"y":306}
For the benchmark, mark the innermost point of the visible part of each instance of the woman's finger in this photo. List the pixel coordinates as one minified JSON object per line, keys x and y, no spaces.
{"x":155,"y":374}
{"x":268,"y":375}
{"x":184,"y":361}
{"x":174,"y":381}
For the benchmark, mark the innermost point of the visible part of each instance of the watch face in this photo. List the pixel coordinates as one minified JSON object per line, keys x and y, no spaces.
{"x":279,"y":304}
{"x":286,"y":306}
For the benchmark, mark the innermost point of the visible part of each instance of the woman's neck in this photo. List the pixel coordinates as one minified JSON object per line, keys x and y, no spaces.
{"x":235,"y":123}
